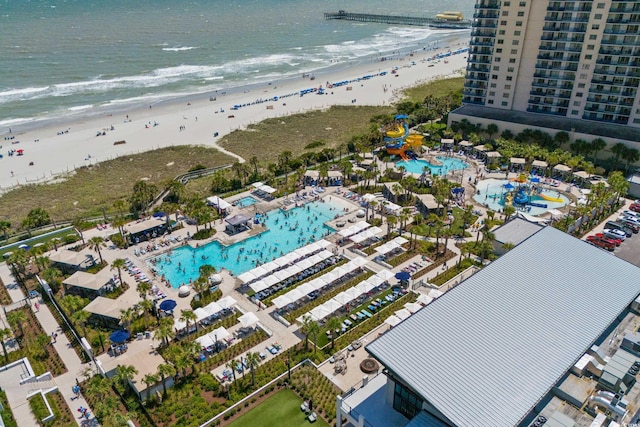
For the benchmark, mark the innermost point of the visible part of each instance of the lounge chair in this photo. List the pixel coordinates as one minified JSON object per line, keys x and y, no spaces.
{"x":312,"y":417}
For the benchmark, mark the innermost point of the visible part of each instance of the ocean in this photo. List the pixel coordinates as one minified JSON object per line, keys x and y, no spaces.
{"x":85,"y":57}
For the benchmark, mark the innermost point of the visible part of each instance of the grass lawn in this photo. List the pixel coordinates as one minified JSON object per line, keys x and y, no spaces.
{"x":437,"y":88}
{"x":90,"y":189}
{"x":334,"y":126}
{"x":282,"y":409}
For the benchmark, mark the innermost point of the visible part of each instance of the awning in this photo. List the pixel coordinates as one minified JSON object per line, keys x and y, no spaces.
{"x":392,"y":320}
{"x":465,"y":144}
{"x":248,"y":319}
{"x":227,"y":302}
{"x":218,"y":202}
{"x":412,"y":307}
{"x":403,"y":313}
{"x":561,"y":168}
{"x":517,"y":161}
{"x":281,"y":301}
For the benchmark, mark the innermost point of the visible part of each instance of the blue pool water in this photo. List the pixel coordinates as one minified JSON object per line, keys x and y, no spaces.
{"x":299,"y":227}
{"x":448,"y":164}
{"x":246,"y":201}
{"x":491,"y":190}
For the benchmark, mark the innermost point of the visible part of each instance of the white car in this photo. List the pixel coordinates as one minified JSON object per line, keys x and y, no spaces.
{"x":629,"y":218}
{"x":610,"y":232}
{"x":631,"y":214}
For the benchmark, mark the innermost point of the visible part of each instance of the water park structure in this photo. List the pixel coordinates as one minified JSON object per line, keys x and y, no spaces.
{"x":399,"y":142}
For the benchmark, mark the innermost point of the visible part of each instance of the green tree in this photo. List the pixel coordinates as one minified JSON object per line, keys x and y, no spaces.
{"x":143,"y":289}
{"x":141,"y":196}
{"x":125,"y":374}
{"x":253,"y":360}
{"x":165,"y":370}
{"x":232,"y":364}
{"x":165,"y":331}
{"x":618,"y":184}
{"x":314,"y":332}
{"x":43,"y":341}
{"x":37,"y":217}
{"x":81,"y":317}
{"x":16,"y":319}
{"x":95,"y":243}
{"x":306,"y":328}
{"x":119,"y":264}
{"x":188,"y":316}
{"x":4,"y":334}
{"x":126,"y":316}
{"x":333,"y":325}
{"x":53,"y":277}
{"x":146,"y":306}
{"x":4,"y":228}
{"x":150,"y":380}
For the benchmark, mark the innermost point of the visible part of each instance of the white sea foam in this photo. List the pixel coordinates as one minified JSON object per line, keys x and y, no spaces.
{"x":178,"y":49}
{"x":80,"y":107}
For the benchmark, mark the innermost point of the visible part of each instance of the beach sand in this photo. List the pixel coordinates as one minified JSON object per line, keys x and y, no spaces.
{"x":193,"y":120}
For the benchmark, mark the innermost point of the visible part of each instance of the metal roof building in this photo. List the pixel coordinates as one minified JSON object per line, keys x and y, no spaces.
{"x":486,"y":352}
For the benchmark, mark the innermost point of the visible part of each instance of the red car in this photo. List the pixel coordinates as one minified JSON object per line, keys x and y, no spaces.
{"x":616,"y":241}
{"x":635,"y":207}
{"x":605,"y":244}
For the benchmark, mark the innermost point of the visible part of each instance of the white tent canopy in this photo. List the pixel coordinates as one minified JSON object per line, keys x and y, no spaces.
{"x":403,"y":313}
{"x":281,"y":301}
{"x":218,"y":202}
{"x":205,"y":341}
{"x":392,"y":320}
{"x":385,"y":274}
{"x":226,"y":302}
{"x":248,"y":319}
{"x":424,"y":299}
{"x":220,"y":334}
{"x":412,"y":307}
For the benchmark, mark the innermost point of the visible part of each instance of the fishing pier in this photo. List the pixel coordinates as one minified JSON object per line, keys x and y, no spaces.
{"x":398,"y":20}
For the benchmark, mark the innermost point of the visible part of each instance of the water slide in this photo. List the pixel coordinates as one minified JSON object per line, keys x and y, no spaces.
{"x":550,"y":199}
{"x":398,"y":134}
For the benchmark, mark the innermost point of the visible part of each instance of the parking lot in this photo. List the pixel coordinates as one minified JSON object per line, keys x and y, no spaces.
{"x":629,"y":250}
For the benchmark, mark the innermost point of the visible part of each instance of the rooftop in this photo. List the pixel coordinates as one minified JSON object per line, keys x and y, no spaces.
{"x":81,"y":279}
{"x":515,"y":231}
{"x":553,"y":122}
{"x":524,"y":319}
{"x":107,"y":307}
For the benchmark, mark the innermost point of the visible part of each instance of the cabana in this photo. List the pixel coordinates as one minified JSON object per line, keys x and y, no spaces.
{"x":70,"y":261}
{"x":392,"y":208}
{"x":89,"y":285}
{"x":238,"y":223}
{"x":539,"y":167}
{"x":146,"y":229}
{"x":218,"y":203}
{"x":465,"y":146}
{"x":427,"y":204}
{"x":516,"y":164}
{"x":334,"y":178}
{"x":248,"y":319}
{"x":493,"y":156}
{"x":583,"y":177}
{"x":311,"y":177}
{"x":446,"y":144}
{"x":560,"y":172}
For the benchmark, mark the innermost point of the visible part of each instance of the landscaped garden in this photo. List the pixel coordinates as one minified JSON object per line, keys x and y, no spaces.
{"x":62,"y":414}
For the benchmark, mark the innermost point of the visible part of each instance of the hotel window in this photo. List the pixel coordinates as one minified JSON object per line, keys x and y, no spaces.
{"x":597,"y":16}
{"x":518,"y":23}
{"x":490,"y":101}
{"x":509,"y":78}
{"x":505,"y":95}
{"x":496,"y":68}
{"x":593,"y":36}
{"x":515,"y":42}
{"x":507,"y":4}
{"x":595,"y":27}
{"x":590,"y":47}
{"x":574,"y":112}
{"x":507,"y":87}
{"x":579,"y":94}
{"x":494,"y":77}
{"x":523,"y":3}
{"x":406,"y":402}
{"x":505,"y":103}
{"x":492,"y":85}
{"x":588,"y":56}
{"x":502,"y":32}
{"x":600,"y":6}
{"x":497,"y":59}
{"x":499,"y":50}
{"x":505,"y":13}
{"x":576,"y":103}
{"x":521,"y":13}
{"x":516,"y":33}
{"x":500,"y":41}
{"x":492,"y":93}
{"x":581,"y":85}
{"x":512,"y":60}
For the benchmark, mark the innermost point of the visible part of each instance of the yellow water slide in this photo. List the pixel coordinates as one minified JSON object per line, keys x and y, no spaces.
{"x":414,"y":141}
{"x":550,"y":199}
{"x":396,"y":133}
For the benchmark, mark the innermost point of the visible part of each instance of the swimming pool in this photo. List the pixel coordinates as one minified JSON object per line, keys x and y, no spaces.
{"x":286,"y":231}
{"x":490,"y":193}
{"x":245,"y":201}
{"x":448,"y":164}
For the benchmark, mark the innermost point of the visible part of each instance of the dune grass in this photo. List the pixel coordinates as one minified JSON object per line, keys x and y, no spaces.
{"x":90,"y":189}
{"x":436,"y":88}
{"x":282,"y":409}
{"x":333,"y":126}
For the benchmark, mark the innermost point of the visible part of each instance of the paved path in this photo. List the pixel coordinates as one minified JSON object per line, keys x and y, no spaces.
{"x":65,"y":382}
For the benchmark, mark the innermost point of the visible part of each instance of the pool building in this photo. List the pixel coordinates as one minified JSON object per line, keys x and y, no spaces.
{"x":494,"y":350}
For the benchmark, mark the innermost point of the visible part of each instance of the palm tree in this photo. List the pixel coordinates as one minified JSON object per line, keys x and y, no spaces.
{"x":126,"y":316}
{"x":4,"y":228}
{"x":81,"y":317}
{"x":189,"y":316}
{"x":253,"y":161}
{"x":4,"y":333}
{"x":146,"y":306}
{"x":596,"y":146}
{"x":231,"y":364}
{"x":391,"y":223}
{"x":52,"y":276}
{"x":305,"y":328}
{"x":165,"y":331}
{"x":98,"y":386}
{"x":314,"y":331}
{"x":143,"y":289}
{"x":16,"y":318}
{"x":150,"y":380}
{"x":119,"y":264}
{"x":333,"y":324}
{"x":165,"y":370}
{"x":253,"y":360}
{"x":95,"y":243}
{"x":125,"y":373}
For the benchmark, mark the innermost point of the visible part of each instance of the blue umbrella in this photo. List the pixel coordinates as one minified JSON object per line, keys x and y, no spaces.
{"x":159,"y":214}
{"x":535,"y":179}
{"x":509,"y":186}
{"x":119,"y":336}
{"x":401,"y":116}
{"x":168,"y":304}
{"x":403,"y":275}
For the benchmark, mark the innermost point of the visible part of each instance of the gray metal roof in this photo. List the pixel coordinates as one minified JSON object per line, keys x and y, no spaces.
{"x":487,"y":351}
{"x":515,"y":231}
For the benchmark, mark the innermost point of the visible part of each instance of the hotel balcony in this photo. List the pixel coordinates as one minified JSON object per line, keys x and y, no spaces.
{"x":565,"y":49}
{"x":486,"y":14}
{"x":367,"y":406}
{"x":559,"y":38}
{"x":633,"y":19}
{"x":620,"y":120}
{"x":487,"y":5}
{"x":559,"y":57}
{"x":475,"y":85}
{"x":547,"y":110}
{"x":565,"y":28}
{"x":562,"y":86}
{"x":569,"y":67}
{"x":485,"y":24}
{"x":483,"y":33}
{"x":558,"y":8}
{"x":476,"y":42}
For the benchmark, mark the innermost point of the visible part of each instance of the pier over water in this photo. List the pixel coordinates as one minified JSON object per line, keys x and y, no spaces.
{"x":398,"y":20}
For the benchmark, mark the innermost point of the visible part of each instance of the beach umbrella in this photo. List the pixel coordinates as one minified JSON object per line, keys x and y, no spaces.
{"x":168,"y":305}
{"x":227,"y":302}
{"x":403,"y":275}
{"x":401,"y":116}
{"x":119,"y":336}
{"x":535,"y":179}
{"x":23,"y":246}
{"x":392,"y":320}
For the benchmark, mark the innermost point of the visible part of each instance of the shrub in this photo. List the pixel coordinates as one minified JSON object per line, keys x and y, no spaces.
{"x":208,"y":382}
{"x":203,"y":233}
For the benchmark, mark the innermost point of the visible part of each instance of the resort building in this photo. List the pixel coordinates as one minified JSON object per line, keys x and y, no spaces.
{"x":69,"y":261}
{"x":89,"y":285}
{"x":499,"y":348}
{"x":570,"y":66}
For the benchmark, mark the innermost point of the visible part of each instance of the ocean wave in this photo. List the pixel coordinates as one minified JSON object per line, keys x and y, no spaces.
{"x":178,"y":49}
{"x":80,"y":107}
{"x":391,"y":39}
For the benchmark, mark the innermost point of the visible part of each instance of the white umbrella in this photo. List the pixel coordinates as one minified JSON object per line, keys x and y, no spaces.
{"x":323,"y":243}
{"x":412,"y":306}
{"x":314,"y":247}
{"x":271,"y":280}
{"x":403,"y":313}
{"x":294,"y":295}
{"x":320,"y":312}
{"x":400,"y":240}
{"x":270,"y":266}
{"x":213,"y":308}
{"x":304,"y":264}
{"x":281,"y":301}
{"x":385,"y":274}
{"x":375,"y":280}
{"x":281,"y":261}
{"x":434,"y":293}
{"x":332,"y":306}
{"x":282,"y":275}
{"x":219,"y":334}
{"x":247,"y":277}
{"x":248,"y":319}
{"x":178,"y":324}
{"x":424,"y":299}
{"x":392,"y":320}
{"x":325,"y":254}
{"x":362,"y":225}
{"x":331,"y":277}
{"x":227,"y":302}
{"x":353,"y":293}
{"x":342,"y":298}
{"x":359,"y":261}
{"x":258,"y":286}
{"x":260,"y":271}
{"x":340,"y":271}
{"x":291,"y":257}
{"x":205,"y":341}
{"x":201,"y":314}
{"x":305,"y":288}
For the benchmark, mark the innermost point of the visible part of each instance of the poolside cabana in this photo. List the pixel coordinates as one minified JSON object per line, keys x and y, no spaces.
{"x":446,"y":144}
{"x":426,"y":204}
{"x":238,"y":223}
{"x":311,"y":177}
{"x":70,"y":261}
{"x":516,"y":164}
{"x":334,"y":178}
{"x":220,"y":204}
{"x":493,"y":156}
{"x":539,"y":167}
{"x":106,"y":311}
{"x":479,"y":151}
{"x":248,"y":320}
{"x":560,"y":172}
{"x":392,"y":208}
{"x":583,"y":177}
{"x":146,"y":229}
{"x":465,"y":146}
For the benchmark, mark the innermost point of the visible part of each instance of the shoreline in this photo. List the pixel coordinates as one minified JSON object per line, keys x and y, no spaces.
{"x":59,"y":147}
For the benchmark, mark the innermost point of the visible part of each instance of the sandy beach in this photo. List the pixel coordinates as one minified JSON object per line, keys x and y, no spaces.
{"x":52,"y":151}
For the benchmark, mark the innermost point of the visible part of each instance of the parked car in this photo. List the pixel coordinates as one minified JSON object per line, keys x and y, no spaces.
{"x":598,"y":241}
{"x":632,"y":214}
{"x":633,"y":225}
{"x":616,"y":241}
{"x":615,"y":233}
{"x":613,"y":225}
{"x":635,"y":207}
{"x":628,"y":217}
